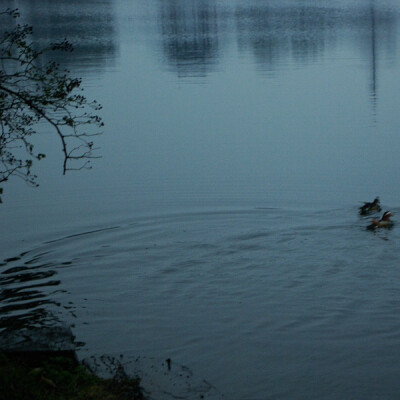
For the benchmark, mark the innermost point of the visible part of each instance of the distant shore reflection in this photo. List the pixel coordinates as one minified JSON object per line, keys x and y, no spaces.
{"x":193,"y":35}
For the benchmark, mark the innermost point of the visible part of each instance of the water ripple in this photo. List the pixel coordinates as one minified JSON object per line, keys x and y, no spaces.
{"x":214,"y":286}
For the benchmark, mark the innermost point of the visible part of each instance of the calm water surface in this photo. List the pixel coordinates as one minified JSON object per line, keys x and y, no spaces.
{"x":220,"y":226}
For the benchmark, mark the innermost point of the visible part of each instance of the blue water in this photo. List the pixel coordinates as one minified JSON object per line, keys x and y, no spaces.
{"x":220,"y":228}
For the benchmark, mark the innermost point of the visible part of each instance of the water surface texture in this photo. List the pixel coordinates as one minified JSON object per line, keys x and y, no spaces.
{"x":220,"y":228}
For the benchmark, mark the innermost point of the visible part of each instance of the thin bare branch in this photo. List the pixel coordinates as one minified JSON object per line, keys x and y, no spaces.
{"x":31,"y":93}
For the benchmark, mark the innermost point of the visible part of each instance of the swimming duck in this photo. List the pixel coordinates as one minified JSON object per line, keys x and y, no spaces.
{"x":370,"y":207}
{"x":384,"y":222}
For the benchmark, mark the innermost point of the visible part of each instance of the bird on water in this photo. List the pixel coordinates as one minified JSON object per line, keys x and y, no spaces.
{"x":374,"y":206}
{"x":384,"y":222}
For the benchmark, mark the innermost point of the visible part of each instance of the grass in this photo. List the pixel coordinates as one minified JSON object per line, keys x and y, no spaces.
{"x":59,"y":376}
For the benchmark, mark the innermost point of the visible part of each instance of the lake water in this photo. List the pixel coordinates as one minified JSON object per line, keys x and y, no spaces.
{"x":220,"y":228}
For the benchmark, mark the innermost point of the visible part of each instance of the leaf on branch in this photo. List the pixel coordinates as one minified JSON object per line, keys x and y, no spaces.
{"x":68,"y":121}
{"x":32,"y":93}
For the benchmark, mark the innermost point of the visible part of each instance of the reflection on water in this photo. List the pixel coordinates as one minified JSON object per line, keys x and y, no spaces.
{"x":189,"y":32}
{"x":192,"y":30}
{"x":379,"y":37}
{"x":193,"y":34}
{"x":90,"y":26}
{"x":276,"y":33}
{"x":28,"y":287}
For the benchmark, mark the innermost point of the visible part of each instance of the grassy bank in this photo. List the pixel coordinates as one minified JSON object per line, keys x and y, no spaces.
{"x":59,"y":376}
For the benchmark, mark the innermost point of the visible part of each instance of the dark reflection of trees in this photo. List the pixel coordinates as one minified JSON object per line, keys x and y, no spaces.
{"x":373,"y":87}
{"x":302,"y":33}
{"x":25,"y":296}
{"x":88,"y":24}
{"x":189,"y":35}
{"x":376,"y":33}
{"x":276,"y":33}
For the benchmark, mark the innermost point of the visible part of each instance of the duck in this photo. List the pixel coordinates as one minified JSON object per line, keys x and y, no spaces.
{"x":368,"y":208}
{"x":384,"y":222}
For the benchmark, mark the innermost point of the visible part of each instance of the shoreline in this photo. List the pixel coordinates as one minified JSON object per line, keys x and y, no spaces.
{"x":41,"y":363}
{"x":58,"y":375}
